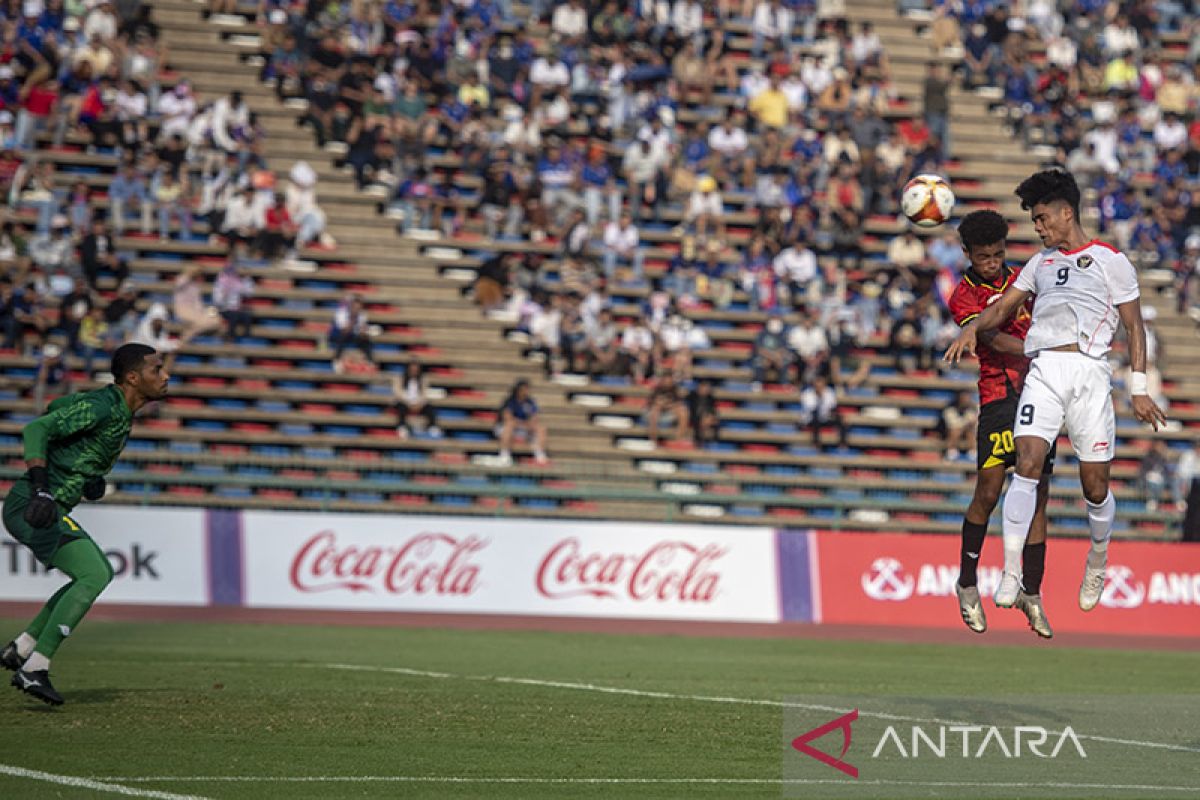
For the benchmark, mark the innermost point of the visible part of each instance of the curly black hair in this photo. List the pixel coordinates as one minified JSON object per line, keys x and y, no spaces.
{"x":981,"y":228}
{"x":1048,"y":186}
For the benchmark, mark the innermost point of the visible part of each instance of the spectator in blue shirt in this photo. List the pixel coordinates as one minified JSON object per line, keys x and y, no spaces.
{"x":31,"y":32}
{"x":396,"y":12}
{"x":974,"y":11}
{"x":1170,"y":169}
{"x":1018,"y":92}
{"x":1118,"y":210}
{"x":980,"y":58}
{"x":807,"y":148}
{"x":599,"y":187}
{"x":694,"y":150}
{"x":557,"y":177}
{"x":415,"y":197}
{"x":519,"y":417}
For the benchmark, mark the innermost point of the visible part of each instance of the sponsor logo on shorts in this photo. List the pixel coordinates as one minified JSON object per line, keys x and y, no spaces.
{"x":1099,"y":446}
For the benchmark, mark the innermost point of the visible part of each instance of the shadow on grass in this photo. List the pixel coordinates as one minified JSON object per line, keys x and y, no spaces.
{"x":94,"y":696}
{"x":75,"y":698}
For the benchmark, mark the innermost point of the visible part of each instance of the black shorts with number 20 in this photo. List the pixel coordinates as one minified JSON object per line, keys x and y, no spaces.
{"x":994,"y":441}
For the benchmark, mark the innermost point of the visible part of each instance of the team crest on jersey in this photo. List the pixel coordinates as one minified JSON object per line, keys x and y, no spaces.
{"x":1084,"y":262}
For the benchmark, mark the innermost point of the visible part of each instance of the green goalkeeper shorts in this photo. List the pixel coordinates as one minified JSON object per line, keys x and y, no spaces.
{"x":44,"y":542}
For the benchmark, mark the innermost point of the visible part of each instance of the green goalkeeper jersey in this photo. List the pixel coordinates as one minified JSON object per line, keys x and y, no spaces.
{"x":80,"y":437}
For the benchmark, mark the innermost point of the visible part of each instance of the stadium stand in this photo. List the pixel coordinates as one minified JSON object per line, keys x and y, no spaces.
{"x":271,"y":420}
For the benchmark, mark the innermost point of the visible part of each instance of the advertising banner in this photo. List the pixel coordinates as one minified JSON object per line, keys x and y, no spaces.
{"x":472,"y":565}
{"x":158,"y":554}
{"x":1152,"y":588}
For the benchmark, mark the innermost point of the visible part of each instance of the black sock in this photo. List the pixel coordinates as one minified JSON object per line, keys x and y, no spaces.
{"x":972,"y":545}
{"x":1033,"y":566}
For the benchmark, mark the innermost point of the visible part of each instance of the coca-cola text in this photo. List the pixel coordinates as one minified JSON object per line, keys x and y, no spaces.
{"x":428,"y":563}
{"x":667,"y":570}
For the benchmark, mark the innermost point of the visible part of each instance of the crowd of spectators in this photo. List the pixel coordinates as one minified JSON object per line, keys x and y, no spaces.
{"x":1114,"y":89}
{"x":635,"y":125}
{"x":89,"y":75}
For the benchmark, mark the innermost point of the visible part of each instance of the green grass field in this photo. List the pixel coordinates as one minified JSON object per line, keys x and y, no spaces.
{"x":466,"y":707}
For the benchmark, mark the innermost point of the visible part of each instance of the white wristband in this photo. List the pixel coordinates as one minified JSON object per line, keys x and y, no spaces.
{"x":1138,"y":384}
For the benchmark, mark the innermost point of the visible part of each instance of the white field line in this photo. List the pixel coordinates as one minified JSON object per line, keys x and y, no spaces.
{"x":635,"y":781}
{"x":90,"y":783}
{"x":701,"y":698}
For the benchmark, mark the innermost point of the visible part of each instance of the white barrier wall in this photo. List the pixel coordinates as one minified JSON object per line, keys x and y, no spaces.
{"x":159,"y":556}
{"x":472,"y":565}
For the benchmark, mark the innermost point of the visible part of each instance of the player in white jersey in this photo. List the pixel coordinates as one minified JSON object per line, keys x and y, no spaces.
{"x":1083,"y":287}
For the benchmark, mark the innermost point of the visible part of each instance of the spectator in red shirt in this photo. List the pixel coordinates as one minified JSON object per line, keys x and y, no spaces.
{"x":9,"y":164}
{"x":35,"y":111}
{"x":279,"y":232}
{"x":913,"y":133}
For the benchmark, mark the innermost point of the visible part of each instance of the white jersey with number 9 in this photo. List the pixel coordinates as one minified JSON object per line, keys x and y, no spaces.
{"x":1078,"y":292}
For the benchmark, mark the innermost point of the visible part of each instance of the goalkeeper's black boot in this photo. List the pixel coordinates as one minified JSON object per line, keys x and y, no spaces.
{"x":37,"y":684}
{"x":10,"y":659}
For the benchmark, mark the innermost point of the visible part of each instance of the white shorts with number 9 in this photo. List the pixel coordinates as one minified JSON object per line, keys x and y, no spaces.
{"x":1069,"y":387}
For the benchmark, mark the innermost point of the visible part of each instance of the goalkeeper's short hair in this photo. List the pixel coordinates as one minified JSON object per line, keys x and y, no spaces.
{"x":129,"y":358}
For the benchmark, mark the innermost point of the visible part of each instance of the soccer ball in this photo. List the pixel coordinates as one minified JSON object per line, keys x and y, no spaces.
{"x":927,"y":200}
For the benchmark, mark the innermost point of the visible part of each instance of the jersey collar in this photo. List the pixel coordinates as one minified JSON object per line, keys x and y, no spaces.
{"x":975,"y":279}
{"x":119,"y":398}
{"x":1081,"y":248}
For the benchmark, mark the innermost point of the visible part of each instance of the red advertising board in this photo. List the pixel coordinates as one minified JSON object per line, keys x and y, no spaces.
{"x":900,"y":579}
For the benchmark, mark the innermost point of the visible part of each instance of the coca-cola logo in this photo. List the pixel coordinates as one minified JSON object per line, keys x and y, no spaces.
{"x":667,"y":571}
{"x":428,"y":563}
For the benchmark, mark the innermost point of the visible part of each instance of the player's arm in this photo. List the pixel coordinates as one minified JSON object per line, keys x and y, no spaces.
{"x":989,"y":319}
{"x":62,"y":422}
{"x":1000,"y":342}
{"x":1144,"y":407}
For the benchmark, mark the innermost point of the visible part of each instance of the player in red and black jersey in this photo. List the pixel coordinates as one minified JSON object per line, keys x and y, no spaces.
{"x":1002,"y":368}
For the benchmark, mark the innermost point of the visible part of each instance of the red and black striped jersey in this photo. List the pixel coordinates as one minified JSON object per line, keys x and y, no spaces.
{"x":999,"y":374}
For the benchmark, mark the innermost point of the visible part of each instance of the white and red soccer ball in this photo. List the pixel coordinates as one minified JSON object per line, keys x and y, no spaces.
{"x":927,"y":200}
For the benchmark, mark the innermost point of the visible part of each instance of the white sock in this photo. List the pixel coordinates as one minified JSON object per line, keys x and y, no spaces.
{"x":36,"y":663}
{"x":1100,"y":520}
{"x":25,"y":644}
{"x":1020,"y":502}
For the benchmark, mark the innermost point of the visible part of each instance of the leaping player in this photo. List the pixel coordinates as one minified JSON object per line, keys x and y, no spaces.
{"x":1002,"y":368}
{"x":1084,"y":287}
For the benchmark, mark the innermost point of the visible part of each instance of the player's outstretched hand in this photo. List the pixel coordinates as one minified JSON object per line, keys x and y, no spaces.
{"x":963,"y":345}
{"x":1146,"y":410}
{"x":94,"y":489}
{"x":42,"y":510}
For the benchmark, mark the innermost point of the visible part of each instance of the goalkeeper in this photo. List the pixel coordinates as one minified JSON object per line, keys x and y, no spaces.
{"x":68,"y":452}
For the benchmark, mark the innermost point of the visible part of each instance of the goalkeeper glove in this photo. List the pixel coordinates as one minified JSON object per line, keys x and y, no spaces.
{"x":42,"y":510}
{"x":94,"y":488}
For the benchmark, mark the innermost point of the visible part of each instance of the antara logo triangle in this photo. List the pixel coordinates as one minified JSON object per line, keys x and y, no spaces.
{"x":843,"y":722}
